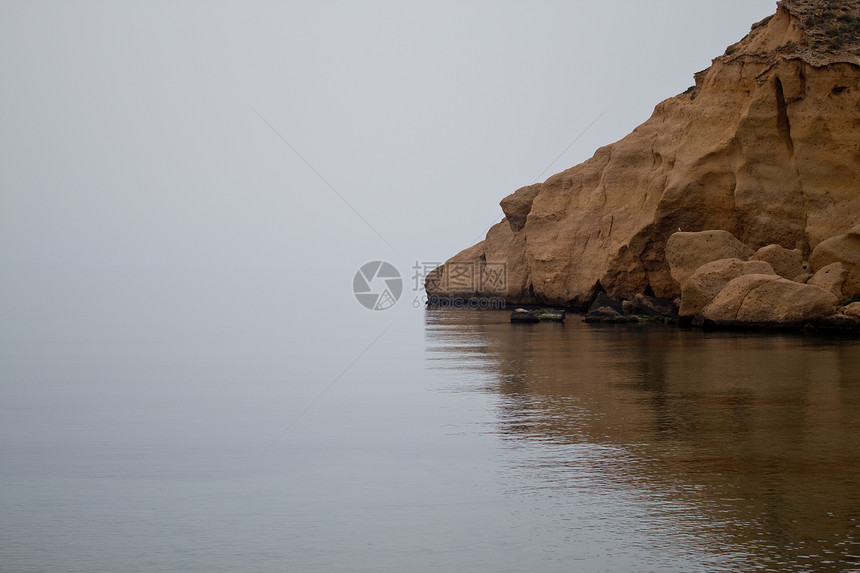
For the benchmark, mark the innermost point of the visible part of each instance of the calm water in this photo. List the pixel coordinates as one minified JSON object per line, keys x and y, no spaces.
{"x":420,"y":441}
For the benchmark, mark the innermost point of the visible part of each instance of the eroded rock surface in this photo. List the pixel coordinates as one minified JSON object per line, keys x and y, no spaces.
{"x":709,"y":280}
{"x":769,"y":300}
{"x":843,"y":249}
{"x":686,"y":252}
{"x":786,"y":263}
{"x":830,"y":278}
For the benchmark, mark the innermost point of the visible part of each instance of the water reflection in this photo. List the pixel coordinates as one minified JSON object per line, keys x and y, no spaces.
{"x":741,"y":448}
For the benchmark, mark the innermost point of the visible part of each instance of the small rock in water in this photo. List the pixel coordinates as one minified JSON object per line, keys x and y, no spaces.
{"x":538,"y":315}
{"x":549,"y":315}
{"x":523,"y":315}
{"x":605,"y":314}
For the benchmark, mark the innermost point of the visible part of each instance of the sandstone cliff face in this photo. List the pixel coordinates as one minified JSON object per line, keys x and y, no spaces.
{"x":766,"y":146}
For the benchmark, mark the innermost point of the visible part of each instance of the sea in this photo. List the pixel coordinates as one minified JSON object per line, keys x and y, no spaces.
{"x":229,"y":433}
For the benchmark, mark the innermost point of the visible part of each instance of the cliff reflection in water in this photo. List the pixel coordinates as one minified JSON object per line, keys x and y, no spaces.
{"x":750,"y":441}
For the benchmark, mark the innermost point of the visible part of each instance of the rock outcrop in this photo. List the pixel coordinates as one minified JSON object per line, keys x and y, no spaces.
{"x":786,"y":263}
{"x":703,"y":286}
{"x":844,"y":249}
{"x":734,"y":292}
{"x":765,"y":146}
{"x":686,"y":252}
{"x":764,"y":300}
{"x":830,"y":278}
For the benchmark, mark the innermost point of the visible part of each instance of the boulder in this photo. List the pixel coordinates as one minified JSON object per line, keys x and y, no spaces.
{"x":769,"y":300}
{"x":852,"y":310}
{"x":786,"y":263}
{"x":830,"y":278}
{"x":606,"y":314}
{"x":549,"y":315}
{"x":649,"y":306}
{"x":709,"y":279}
{"x":522,"y":315}
{"x":838,"y":322}
{"x":843,"y":249}
{"x":646,"y":307}
{"x":604,"y":300}
{"x":686,"y":252}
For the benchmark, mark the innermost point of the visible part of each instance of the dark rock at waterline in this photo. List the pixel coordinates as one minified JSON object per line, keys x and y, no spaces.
{"x":549,"y":315}
{"x":638,"y":308}
{"x":839,"y":322}
{"x":524,"y":316}
{"x":642,"y":305}
{"x":603,"y":300}
{"x":606,"y":314}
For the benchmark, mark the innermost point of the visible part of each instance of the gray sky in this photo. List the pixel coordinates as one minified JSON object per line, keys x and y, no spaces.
{"x":130,"y":135}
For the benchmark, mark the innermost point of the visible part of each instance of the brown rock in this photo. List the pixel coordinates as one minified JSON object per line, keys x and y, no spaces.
{"x":524,"y":316}
{"x":706,"y":283}
{"x":518,"y":205}
{"x":485,"y":269}
{"x":764,"y":146}
{"x":769,"y":300}
{"x":606,"y":314}
{"x":852,"y":310}
{"x":838,"y":322}
{"x":830,"y":278}
{"x":686,"y":252}
{"x":786,"y":263}
{"x":843,"y":249}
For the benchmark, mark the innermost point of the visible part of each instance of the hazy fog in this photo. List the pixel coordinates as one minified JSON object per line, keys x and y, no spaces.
{"x":134,"y":161}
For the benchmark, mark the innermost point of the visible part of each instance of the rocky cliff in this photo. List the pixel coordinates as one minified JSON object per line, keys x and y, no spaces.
{"x":766,"y":146}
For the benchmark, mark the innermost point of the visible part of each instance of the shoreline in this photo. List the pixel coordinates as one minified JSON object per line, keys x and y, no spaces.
{"x":823,"y":327}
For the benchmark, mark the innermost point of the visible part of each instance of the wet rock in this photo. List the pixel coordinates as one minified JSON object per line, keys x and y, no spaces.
{"x":549,"y":315}
{"x":605,"y":314}
{"x":537,"y":315}
{"x":652,"y":307}
{"x":839,"y":322}
{"x":522,"y":315}
{"x":604,"y":300}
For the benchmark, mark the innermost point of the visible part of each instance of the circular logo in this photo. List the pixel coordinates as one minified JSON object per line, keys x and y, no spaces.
{"x":377,"y":285}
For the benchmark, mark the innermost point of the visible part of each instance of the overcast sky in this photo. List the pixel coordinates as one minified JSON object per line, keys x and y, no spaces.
{"x":137,"y":134}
